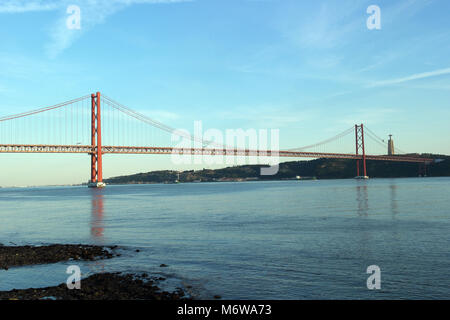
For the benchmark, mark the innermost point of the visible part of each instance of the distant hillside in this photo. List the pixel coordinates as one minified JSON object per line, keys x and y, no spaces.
{"x":319,"y":168}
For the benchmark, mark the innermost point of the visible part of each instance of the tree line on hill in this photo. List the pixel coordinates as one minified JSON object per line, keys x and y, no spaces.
{"x":318,"y":168}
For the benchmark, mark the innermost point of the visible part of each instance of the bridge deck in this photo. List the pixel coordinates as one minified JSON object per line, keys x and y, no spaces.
{"x":19,"y":148}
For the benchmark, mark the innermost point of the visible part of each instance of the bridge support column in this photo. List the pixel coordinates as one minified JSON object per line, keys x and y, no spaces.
{"x":359,"y":136}
{"x":96,"y":142}
{"x":357,"y":149}
{"x":423,"y":169}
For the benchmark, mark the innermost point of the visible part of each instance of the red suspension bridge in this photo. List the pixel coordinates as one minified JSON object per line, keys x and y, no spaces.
{"x":98,"y":125}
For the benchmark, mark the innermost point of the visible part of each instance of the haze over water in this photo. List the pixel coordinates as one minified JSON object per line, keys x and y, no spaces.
{"x":252,"y":240}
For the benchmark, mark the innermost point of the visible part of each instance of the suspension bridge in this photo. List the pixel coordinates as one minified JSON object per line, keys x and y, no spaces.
{"x":97,"y":125}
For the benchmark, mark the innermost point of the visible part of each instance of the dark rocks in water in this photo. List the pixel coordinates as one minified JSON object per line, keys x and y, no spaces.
{"x":102,"y":286}
{"x":137,"y":250}
{"x":11,"y":256}
{"x":162,"y":265}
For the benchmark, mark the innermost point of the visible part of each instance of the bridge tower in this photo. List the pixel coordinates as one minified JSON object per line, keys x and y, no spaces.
{"x":359,"y":135}
{"x":96,"y":143}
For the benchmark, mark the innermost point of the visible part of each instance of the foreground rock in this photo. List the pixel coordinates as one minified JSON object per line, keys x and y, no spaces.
{"x":103,"y":286}
{"x":11,"y":256}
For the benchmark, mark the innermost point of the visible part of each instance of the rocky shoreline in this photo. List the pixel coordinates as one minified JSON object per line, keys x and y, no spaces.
{"x":14,"y":256}
{"x":101,"y":286}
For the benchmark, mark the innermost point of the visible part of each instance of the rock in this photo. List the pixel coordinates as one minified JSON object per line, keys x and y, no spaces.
{"x":162,"y":265}
{"x":105,"y":286}
{"x":31,"y":255}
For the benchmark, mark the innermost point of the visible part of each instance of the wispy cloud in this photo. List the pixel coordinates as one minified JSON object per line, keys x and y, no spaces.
{"x":371,"y":115}
{"x":405,"y":9}
{"x":92,"y":13}
{"x":413,"y":77}
{"x":20,"y":6}
{"x":161,"y":115}
{"x":324,"y":26}
{"x":269,"y":116}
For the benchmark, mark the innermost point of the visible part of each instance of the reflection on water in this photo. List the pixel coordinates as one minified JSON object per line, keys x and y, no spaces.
{"x":394,"y":205}
{"x":97,"y":215}
{"x":363,"y":200}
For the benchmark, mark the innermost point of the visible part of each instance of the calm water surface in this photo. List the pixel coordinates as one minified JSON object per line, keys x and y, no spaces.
{"x":252,"y":240}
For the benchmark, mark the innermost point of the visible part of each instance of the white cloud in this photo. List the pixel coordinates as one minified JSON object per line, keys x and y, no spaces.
{"x":366,"y":115}
{"x":93,"y":12}
{"x":20,"y":6}
{"x":416,"y":76}
{"x":160,"y":115}
{"x":270,"y":115}
{"x":323,"y":26}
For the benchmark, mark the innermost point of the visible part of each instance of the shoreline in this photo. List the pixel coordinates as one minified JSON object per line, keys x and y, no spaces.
{"x":264,"y":180}
{"x":16,"y":256}
{"x":203,"y":182}
{"x":99,"y":286}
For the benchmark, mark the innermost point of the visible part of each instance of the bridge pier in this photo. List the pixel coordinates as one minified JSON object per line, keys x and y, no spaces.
{"x":359,"y":136}
{"x":423,"y":169}
{"x":96,"y":143}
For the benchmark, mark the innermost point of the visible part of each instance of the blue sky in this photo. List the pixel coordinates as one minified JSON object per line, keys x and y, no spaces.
{"x":309,"y":68}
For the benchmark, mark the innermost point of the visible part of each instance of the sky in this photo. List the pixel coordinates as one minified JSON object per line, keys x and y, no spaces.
{"x":308,"y":68}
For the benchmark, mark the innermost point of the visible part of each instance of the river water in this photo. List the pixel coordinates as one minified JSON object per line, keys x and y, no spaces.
{"x":247,"y":240}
